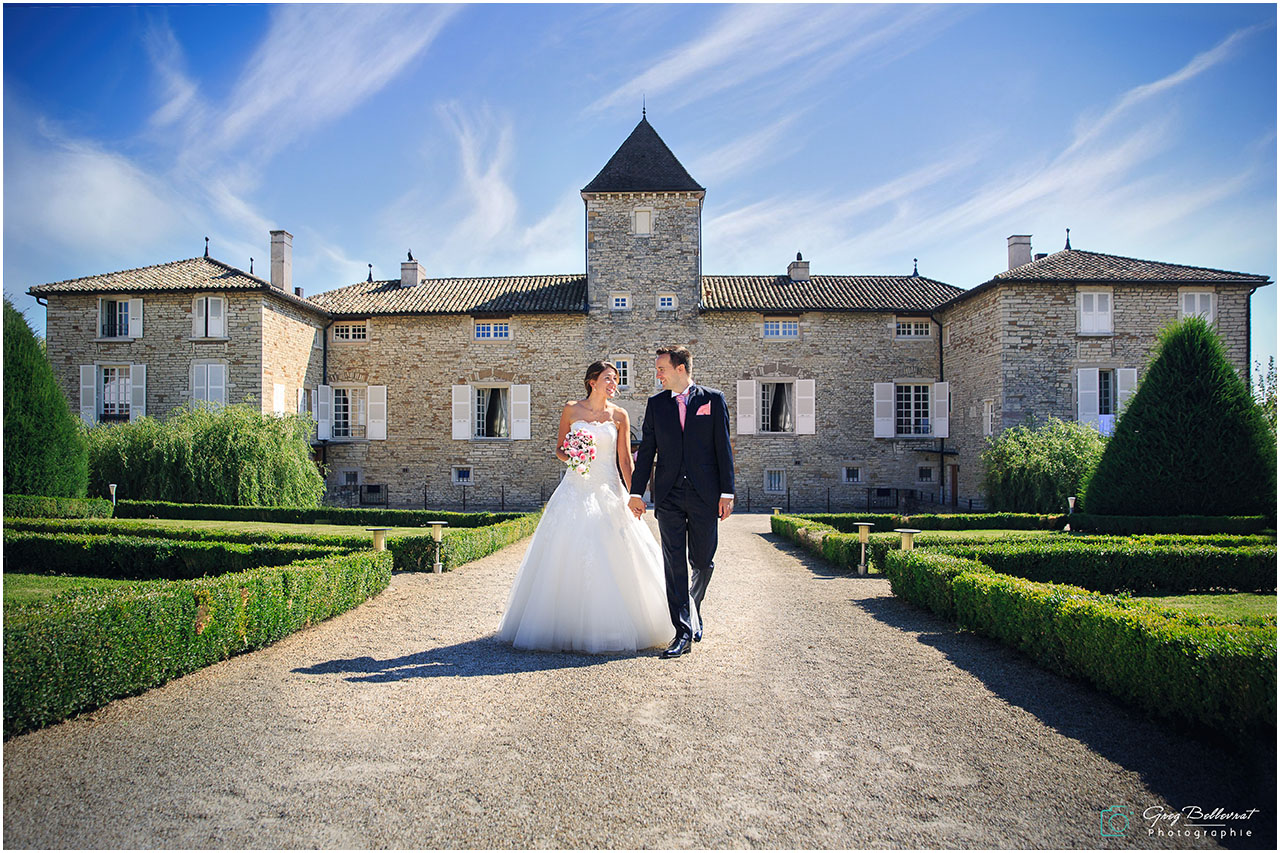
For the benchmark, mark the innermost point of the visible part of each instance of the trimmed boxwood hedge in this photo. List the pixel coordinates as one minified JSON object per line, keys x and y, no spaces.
{"x":308,"y":515}
{"x":885,"y":522}
{"x":1177,"y":524}
{"x":35,"y":506}
{"x":137,"y":558}
{"x":1176,"y":665}
{"x":417,"y":553}
{"x":149,"y":529}
{"x":79,"y":650}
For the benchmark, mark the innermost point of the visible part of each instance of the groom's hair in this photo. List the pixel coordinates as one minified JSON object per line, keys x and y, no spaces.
{"x":679,"y":355}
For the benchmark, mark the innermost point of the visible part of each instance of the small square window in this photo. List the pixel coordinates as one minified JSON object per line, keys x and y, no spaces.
{"x":619,"y":301}
{"x":924,"y":474}
{"x":774,"y":329}
{"x":852,"y":474}
{"x":666,"y":302}
{"x":349,"y":477}
{"x":462,"y":476}
{"x":1197,"y":303}
{"x":775,"y":481}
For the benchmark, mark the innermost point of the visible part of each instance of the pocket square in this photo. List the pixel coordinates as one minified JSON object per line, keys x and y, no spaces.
{"x":704,"y":409}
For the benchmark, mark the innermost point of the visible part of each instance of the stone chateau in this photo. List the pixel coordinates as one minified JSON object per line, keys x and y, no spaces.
{"x":845,"y":390}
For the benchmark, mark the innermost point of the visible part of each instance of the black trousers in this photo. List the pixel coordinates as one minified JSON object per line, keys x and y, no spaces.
{"x":689,"y":529}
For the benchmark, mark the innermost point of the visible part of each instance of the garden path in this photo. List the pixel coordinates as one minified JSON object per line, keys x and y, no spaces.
{"x":819,"y":712}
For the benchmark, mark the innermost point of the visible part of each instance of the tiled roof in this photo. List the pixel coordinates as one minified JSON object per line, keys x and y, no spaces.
{"x":530,"y":294}
{"x":1079,"y":265}
{"x":824,"y":293}
{"x":193,"y":274}
{"x":643,"y":163}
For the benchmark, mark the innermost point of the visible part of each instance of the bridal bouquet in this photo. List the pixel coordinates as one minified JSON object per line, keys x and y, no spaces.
{"x":580,"y":446}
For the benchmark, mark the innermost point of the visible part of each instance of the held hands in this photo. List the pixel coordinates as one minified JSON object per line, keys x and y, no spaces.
{"x":726,"y":508}
{"x":636,"y":505}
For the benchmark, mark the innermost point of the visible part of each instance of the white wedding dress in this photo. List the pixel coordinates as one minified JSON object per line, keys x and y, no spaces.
{"x":592,"y":579}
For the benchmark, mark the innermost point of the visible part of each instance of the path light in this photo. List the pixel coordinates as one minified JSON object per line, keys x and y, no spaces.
{"x":437,"y":533}
{"x":864,"y":536}
{"x":908,"y":537}
{"x":112,"y":487}
{"x":777,"y":510}
{"x":379,"y":537}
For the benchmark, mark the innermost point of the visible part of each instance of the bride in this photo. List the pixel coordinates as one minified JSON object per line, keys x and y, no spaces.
{"x":592,"y":579}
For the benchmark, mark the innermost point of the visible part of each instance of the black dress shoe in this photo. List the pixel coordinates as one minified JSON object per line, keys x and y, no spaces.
{"x":697,"y":635}
{"x":681,"y":645}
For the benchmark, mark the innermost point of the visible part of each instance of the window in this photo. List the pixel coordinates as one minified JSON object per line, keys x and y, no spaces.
{"x":623,"y":365}
{"x":349,"y":415}
{"x":351,"y":331}
{"x":946,"y":335}
{"x":209,"y":317}
{"x":777,"y":407}
{"x":1095,"y":313}
{"x":775,"y":481}
{"x":461,"y":476}
{"x":349,"y":477}
{"x":1106,"y":392}
{"x":116,"y":392}
{"x":493,"y":413}
{"x":924,"y":474}
{"x":852,"y":474}
{"x":777,"y":328}
{"x":642,"y":221}
{"x":1197,"y":303}
{"x":906,"y":327}
{"x":988,"y":416}
{"x":209,"y":383}
{"x":619,"y":301}
{"x":666,"y":302}
{"x":492,"y":330}
{"x":911,"y":409}
{"x":114,"y":315}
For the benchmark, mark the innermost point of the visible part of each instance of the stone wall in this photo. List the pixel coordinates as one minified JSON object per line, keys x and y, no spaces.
{"x":971,"y":361}
{"x":292,"y":352}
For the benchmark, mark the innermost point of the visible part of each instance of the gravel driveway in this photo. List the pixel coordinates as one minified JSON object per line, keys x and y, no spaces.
{"x":819,"y":711}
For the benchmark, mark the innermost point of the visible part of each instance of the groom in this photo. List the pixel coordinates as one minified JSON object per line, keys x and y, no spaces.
{"x":687,"y":426}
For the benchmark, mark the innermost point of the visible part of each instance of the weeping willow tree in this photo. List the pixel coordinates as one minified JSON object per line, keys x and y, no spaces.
{"x":1035,"y":469}
{"x":234,"y":455}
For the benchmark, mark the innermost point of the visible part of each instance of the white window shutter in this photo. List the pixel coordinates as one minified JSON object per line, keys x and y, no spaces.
{"x":521,"y":411}
{"x":89,"y":394}
{"x":135,"y":318}
{"x":218,"y":384}
{"x":1087,"y":396}
{"x":315,"y":406}
{"x":1103,"y":321}
{"x":941,"y":409}
{"x":1188,"y":304}
{"x":277,"y":398}
{"x":302,"y":401}
{"x":324,"y":412}
{"x":747,"y":405}
{"x":806,"y":407}
{"x":461,"y":396}
{"x":882,"y":402}
{"x":197,"y":317}
{"x":137,"y":390}
{"x":199,"y":382}
{"x":217,"y":317}
{"x":1126,"y":382}
{"x":377,"y":429}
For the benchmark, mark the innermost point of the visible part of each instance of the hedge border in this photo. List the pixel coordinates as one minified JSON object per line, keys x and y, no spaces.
{"x":80,"y":650}
{"x":886,"y":522}
{"x":1176,"y":524}
{"x":36,"y":506}
{"x":307,"y":515}
{"x":1174,"y":665}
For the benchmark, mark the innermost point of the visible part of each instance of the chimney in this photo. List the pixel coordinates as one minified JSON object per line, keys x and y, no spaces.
{"x":1040,"y":256}
{"x":282,"y":260}
{"x":1019,"y":250}
{"x":297,"y":291}
{"x":798,"y":269}
{"x":411,"y":272}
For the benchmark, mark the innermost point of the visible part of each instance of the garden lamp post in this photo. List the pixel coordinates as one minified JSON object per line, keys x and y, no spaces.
{"x":908,"y":537}
{"x":437,"y":533}
{"x":1071,"y":508}
{"x":864,"y":536}
{"x":112,"y":487}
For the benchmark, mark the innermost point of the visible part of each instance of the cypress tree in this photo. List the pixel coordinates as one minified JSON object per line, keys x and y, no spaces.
{"x":45,"y":452}
{"x":1191,"y":441}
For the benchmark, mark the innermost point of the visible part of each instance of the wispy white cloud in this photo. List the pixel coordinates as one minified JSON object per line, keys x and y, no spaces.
{"x":178,"y":92}
{"x":746,"y":152}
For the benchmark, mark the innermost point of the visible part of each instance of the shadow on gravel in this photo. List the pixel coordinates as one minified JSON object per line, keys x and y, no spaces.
{"x":1186,"y":770}
{"x":485,"y":656}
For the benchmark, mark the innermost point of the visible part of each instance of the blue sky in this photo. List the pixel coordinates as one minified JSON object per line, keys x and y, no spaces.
{"x":863,"y":136}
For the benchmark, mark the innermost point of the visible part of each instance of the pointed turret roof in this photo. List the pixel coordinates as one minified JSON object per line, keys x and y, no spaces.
{"x":643,"y":163}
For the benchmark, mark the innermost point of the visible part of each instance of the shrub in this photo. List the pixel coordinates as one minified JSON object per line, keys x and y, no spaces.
{"x":307,"y":514}
{"x":1191,"y":440}
{"x":32,"y":506}
{"x":884,"y":522}
{"x":417,"y":553}
{"x":136,"y":558}
{"x":80,"y":650}
{"x":1036,"y":469}
{"x":232,"y":455}
{"x":1180,"y":524}
{"x":44,"y":445}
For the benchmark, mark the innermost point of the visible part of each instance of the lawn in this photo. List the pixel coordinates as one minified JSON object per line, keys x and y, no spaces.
{"x":1228,"y":605}
{"x":22,"y":589}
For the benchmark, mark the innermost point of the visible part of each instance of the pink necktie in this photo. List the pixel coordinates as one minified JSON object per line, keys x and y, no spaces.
{"x":681,"y":401}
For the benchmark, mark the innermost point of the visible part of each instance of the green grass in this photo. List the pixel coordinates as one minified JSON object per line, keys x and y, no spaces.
{"x":23,"y":589}
{"x":1231,"y":605}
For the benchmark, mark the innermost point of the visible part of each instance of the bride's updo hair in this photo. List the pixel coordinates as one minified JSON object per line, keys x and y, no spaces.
{"x":594,"y":371}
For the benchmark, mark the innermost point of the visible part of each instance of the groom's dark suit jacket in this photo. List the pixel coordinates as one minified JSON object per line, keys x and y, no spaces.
{"x":701,"y":450}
